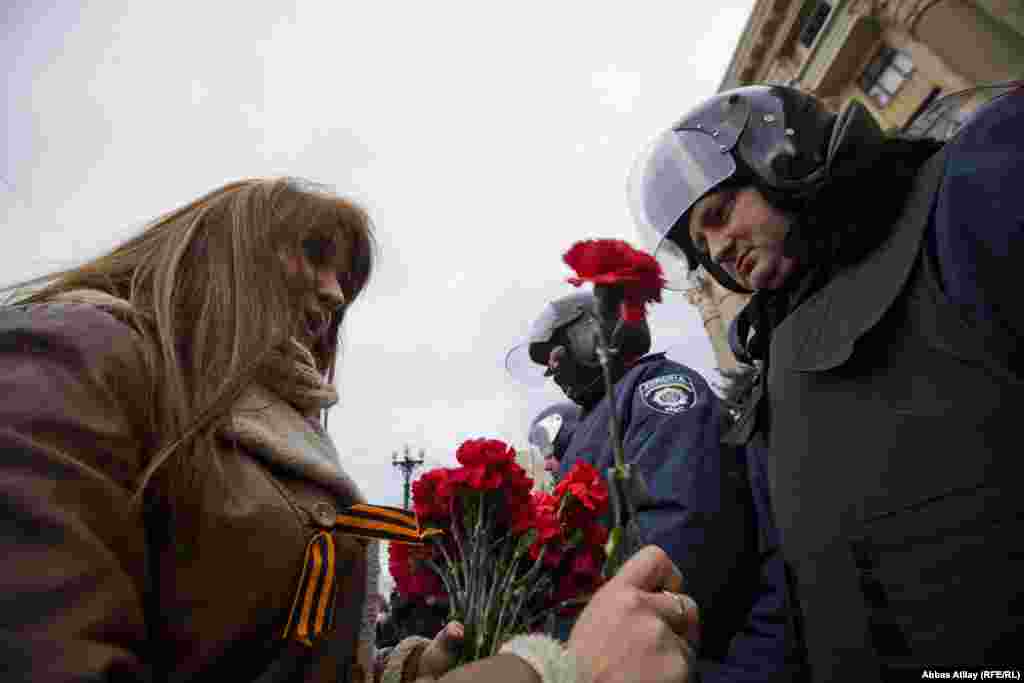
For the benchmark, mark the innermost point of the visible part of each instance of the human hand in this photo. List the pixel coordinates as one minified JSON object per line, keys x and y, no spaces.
{"x":440,"y":655}
{"x":633,"y":630}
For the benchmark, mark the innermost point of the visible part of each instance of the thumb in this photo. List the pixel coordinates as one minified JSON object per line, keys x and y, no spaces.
{"x":651,"y":569}
{"x":450,"y":637}
{"x":441,"y":653}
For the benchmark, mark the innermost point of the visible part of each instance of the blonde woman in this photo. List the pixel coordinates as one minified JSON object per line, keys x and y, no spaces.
{"x":170,"y":495}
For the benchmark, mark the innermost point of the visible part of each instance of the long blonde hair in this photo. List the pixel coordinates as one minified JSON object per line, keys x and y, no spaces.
{"x":208,"y":289}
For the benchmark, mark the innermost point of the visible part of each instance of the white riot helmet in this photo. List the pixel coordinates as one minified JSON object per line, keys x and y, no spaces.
{"x":778,"y":139}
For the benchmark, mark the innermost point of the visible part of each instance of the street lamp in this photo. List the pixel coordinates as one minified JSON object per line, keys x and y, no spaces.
{"x":406,"y":463}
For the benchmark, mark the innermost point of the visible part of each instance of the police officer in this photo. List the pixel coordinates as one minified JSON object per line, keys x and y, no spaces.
{"x":699,"y":509}
{"x":887,"y":320}
{"x":551,"y":431}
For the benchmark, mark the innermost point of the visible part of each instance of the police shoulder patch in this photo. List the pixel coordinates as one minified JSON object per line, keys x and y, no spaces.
{"x":668,"y":394}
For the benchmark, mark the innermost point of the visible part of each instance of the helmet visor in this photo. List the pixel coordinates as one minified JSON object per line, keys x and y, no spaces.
{"x":676,"y":169}
{"x":531,"y":370}
{"x":522,"y":368}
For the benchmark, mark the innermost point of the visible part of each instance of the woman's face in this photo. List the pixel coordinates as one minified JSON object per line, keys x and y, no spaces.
{"x":320,"y":269}
{"x":744,"y":234}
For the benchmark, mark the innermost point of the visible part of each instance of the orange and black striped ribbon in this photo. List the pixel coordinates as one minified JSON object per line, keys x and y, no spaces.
{"x":383,"y":523}
{"x":312,"y":612}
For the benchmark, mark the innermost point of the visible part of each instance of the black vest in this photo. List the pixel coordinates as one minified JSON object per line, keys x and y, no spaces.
{"x":893,"y":433}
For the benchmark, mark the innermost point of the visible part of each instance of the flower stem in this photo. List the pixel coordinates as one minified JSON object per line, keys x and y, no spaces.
{"x":615,"y":428}
{"x":499,"y":584}
{"x":505,"y":596}
{"x":480,"y":577}
{"x":455,"y":568}
{"x":624,"y":536}
{"x":446,"y":578}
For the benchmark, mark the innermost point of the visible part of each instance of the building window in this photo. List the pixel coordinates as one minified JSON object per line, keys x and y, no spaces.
{"x":813,"y":23}
{"x":941,"y":115}
{"x":886,"y":73}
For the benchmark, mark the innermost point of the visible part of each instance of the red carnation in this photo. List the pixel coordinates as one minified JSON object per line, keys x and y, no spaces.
{"x":587,"y":564}
{"x":549,"y":529}
{"x":516,"y":494}
{"x":584,"y":484}
{"x":413,"y":578}
{"x":523,"y":520}
{"x":432,"y":495}
{"x":595,"y":535}
{"x":583,"y":576}
{"x":485,"y":452}
{"x":486,"y":465}
{"x":614,"y":262}
{"x":487,"y":505}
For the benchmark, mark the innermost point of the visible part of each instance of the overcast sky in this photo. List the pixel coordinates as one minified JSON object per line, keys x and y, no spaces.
{"x":484,"y":137}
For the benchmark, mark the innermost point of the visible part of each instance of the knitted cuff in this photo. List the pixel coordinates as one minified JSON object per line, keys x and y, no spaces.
{"x":403,"y":664}
{"x":545,"y":655}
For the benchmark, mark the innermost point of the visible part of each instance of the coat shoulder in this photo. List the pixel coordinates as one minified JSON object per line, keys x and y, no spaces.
{"x":77,"y":380}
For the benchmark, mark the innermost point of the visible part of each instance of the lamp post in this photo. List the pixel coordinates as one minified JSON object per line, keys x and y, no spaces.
{"x":406,"y":463}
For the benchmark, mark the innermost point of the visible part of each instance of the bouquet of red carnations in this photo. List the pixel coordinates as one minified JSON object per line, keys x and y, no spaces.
{"x":509,"y":557}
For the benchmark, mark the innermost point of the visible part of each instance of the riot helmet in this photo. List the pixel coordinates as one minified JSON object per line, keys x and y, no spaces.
{"x":778,"y":139}
{"x":551,"y":431}
{"x":567,"y":331}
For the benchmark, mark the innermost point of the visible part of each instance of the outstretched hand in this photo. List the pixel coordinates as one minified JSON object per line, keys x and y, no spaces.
{"x":638,"y":627}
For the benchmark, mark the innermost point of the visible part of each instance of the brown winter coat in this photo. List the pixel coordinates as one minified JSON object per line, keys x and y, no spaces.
{"x":87,"y":590}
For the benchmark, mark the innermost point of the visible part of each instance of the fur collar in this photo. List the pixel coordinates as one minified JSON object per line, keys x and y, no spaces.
{"x":266,"y":425}
{"x":277,"y":433}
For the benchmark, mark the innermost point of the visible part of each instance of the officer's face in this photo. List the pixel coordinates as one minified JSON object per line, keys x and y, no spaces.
{"x":563,"y":370}
{"x":744,"y":234}
{"x":550,"y":463}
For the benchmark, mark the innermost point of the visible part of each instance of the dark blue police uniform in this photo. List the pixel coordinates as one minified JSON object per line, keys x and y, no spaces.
{"x":976,"y":231}
{"x":705,"y":512}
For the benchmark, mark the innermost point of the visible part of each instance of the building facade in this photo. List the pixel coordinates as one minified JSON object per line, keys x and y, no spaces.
{"x":897,"y":57}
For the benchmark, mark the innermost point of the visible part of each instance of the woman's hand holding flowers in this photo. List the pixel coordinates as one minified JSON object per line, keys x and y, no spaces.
{"x":443,"y":651}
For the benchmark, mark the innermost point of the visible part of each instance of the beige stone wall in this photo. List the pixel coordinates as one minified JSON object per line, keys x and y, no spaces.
{"x":718,"y":308}
{"x":981,"y":47}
